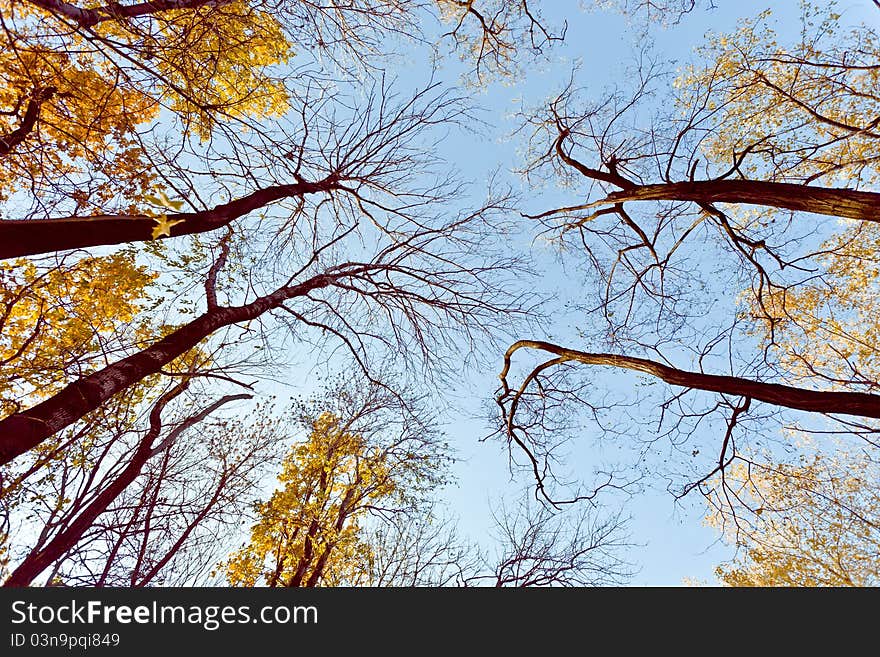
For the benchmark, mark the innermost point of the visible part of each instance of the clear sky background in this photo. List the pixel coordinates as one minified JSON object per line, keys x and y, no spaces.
{"x":670,"y":541}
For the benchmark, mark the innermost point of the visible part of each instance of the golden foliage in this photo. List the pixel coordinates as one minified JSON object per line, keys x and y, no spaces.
{"x":309,"y":530}
{"x":56,"y":322}
{"x":100,"y":88}
{"x":87,"y":124}
{"x":804,"y":112}
{"x":815,"y":523}
{"x":829,"y":327}
{"x":214,"y":60}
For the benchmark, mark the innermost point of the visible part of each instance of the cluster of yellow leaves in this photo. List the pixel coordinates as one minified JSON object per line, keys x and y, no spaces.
{"x":213,"y":59}
{"x":808,"y":111}
{"x":816,"y":523}
{"x":830,"y":327}
{"x":200,"y":63}
{"x":86,"y":126}
{"x":55,"y":322}
{"x":310,"y":528}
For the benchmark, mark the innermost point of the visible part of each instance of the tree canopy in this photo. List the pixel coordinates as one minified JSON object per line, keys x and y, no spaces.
{"x":208,"y":207}
{"x":728,"y":183}
{"x":813,"y":523}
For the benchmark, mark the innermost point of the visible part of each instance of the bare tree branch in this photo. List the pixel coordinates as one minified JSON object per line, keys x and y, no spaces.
{"x":850,"y":403}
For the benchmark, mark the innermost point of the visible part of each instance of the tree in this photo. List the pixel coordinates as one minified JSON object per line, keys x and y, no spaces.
{"x":443,"y":293}
{"x":239,"y":187}
{"x":171,"y":525}
{"x":356,"y":461}
{"x":539,"y":547}
{"x":356,"y":507}
{"x":421,"y":549}
{"x":76,"y":507}
{"x":362,"y":166}
{"x":728,"y":186}
{"x":215,"y":67}
{"x":90,"y":81}
{"x":812,"y":523}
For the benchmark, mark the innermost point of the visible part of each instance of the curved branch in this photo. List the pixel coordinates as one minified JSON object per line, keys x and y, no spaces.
{"x":832,"y":402}
{"x":611,"y":177}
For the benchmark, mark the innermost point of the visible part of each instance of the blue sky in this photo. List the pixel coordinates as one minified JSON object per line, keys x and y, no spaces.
{"x":670,"y":541}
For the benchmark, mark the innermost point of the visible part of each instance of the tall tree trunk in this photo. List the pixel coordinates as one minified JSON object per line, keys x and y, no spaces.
{"x":836,"y":202}
{"x":849,"y":403}
{"x":36,"y":236}
{"x":27,"y":429}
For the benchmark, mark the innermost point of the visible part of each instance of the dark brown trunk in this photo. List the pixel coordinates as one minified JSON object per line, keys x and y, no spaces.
{"x":848,"y":403}
{"x":28,"y":121}
{"x":38,"y":561}
{"x":306,"y":559}
{"x":114,"y":10}
{"x":848,"y":203}
{"x":36,"y":236}
{"x":25,"y":430}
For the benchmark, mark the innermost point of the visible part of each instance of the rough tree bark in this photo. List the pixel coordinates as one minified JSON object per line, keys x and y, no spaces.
{"x":33,"y":237}
{"x":836,"y":202}
{"x":849,"y":403}
{"x":113,"y":10}
{"x":25,"y":430}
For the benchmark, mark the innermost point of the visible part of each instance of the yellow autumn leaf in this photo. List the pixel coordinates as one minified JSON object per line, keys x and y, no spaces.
{"x":164,"y":225}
